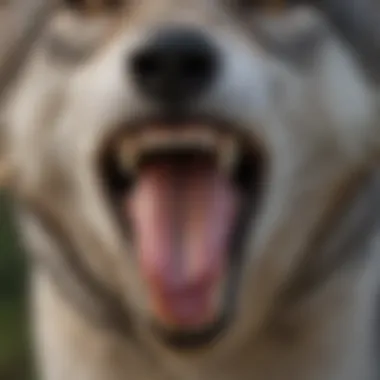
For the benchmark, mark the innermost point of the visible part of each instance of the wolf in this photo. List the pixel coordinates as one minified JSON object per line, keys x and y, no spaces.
{"x":196,"y":183}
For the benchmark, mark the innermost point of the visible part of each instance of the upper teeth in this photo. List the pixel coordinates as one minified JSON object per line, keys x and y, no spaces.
{"x":225,"y":147}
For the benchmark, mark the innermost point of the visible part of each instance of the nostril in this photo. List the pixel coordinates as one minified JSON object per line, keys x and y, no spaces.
{"x":146,"y":64}
{"x":189,"y":66}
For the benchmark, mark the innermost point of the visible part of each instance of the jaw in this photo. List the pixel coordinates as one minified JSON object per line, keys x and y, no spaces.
{"x":183,"y":195}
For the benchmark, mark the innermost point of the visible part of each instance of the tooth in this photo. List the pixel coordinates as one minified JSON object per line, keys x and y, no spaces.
{"x":228,"y":154}
{"x":203,"y":138}
{"x":128,"y":154}
{"x":178,"y":139}
{"x":133,"y":147}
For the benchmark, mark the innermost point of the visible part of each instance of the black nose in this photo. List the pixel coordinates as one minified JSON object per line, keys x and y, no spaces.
{"x":176,"y":65}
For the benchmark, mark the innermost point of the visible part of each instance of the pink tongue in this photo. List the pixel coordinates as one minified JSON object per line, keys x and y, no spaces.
{"x":182,"y":216}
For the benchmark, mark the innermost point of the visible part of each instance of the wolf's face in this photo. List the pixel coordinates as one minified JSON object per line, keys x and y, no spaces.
{"x":189,"y":152}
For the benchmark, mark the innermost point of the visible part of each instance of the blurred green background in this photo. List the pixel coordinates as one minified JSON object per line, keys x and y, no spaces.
{"x":14,"y":342}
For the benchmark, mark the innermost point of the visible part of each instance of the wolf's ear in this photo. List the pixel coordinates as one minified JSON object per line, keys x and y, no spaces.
{"x":358,"y":22}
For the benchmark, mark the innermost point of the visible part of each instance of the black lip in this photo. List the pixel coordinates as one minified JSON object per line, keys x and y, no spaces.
{"x":191,"y":340}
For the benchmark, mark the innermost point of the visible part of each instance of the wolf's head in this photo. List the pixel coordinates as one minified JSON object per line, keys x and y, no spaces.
{"x":175,"y":160}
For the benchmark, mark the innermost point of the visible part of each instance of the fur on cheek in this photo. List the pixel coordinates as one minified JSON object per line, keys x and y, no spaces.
{"x":5,"y":174}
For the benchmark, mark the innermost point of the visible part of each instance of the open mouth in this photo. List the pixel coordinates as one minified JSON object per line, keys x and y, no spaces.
{"x":184,"y":195}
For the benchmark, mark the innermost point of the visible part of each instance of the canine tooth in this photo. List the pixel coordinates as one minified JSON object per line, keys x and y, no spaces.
{"x":228,"y":154}
{"x":128,"y":155}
